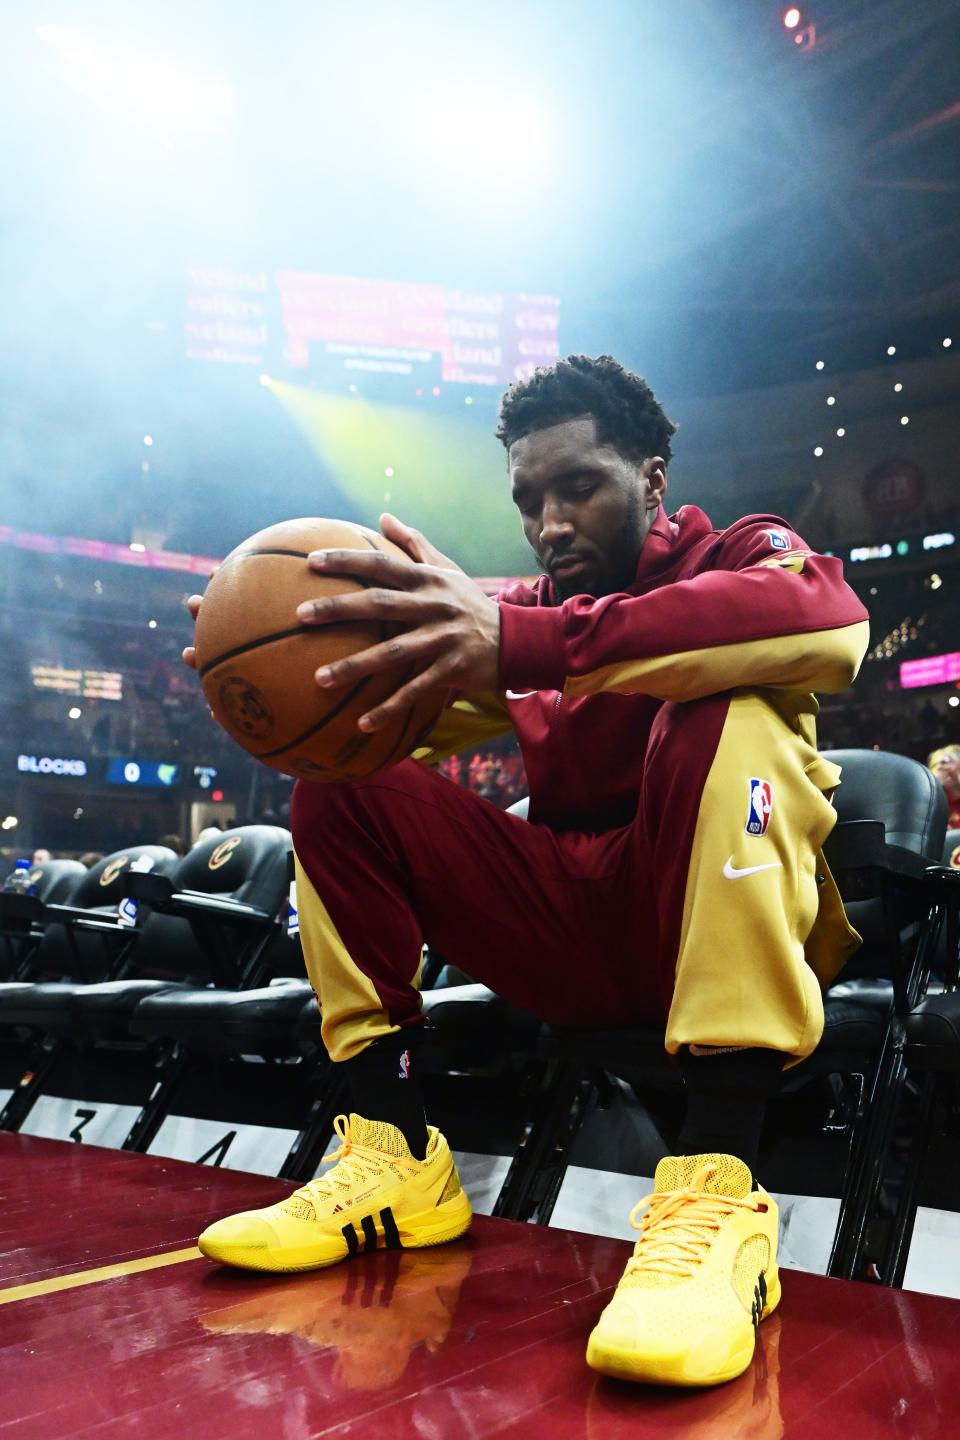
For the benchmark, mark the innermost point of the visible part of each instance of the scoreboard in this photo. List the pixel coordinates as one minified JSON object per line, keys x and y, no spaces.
{"x":310,"y":325}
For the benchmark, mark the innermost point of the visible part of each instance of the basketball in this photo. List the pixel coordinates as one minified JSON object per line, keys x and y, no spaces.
{"x":256,"y":662}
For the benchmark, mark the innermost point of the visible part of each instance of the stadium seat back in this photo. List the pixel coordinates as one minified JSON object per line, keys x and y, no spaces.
{"x":55,"y":881}
{"x":248,"y":864}
{"x":904,"y":794}
{"x":906,"y":797}
{"x":102,"y":885}
{"x":84,"y":956}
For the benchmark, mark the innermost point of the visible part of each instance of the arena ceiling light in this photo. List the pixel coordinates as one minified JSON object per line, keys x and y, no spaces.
{"x":497,"y":134}
{"x":164,"y":97}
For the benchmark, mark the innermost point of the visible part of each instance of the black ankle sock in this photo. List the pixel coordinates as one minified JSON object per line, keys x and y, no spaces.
{"x":384,"y":1086}
{"x":727,"y":1097}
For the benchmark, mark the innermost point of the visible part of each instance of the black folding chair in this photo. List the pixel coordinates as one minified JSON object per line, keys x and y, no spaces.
{"x":210,"y":922}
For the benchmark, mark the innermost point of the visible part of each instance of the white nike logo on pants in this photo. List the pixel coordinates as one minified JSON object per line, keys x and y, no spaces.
{"x":733,"y":874}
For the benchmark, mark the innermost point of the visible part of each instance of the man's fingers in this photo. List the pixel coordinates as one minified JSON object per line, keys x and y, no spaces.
{"x":414,"y":648}
{"x":373,"y":567}
{"x":190,"y":657}
{"x":395,"y":708}
{"x":377,"y":605}
{"x":193,"y":605}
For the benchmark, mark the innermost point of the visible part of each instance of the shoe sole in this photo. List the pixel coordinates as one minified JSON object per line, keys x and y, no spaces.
{"x":416,"y":1232}
{"x":672,"y":1369}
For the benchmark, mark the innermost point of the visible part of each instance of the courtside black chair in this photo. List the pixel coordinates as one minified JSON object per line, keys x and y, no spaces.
{"x":80,"y":937}
{"x":891,"y":824}
{"x":210,"y":922}
{"x":53,"y":882}
{"x":930,"y":1047}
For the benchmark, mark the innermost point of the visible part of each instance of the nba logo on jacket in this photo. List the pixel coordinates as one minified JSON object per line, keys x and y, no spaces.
{"x":761,"y":804}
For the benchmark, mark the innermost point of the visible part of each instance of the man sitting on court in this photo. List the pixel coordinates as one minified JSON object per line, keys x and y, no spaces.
{"x":659,"y":677}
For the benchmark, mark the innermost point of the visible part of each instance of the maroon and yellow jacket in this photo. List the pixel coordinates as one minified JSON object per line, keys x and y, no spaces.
{"x":708,"y":611}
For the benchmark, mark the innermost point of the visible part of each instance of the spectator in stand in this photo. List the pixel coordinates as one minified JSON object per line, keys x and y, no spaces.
{"x":91,"y":858}
{"x":174,"y":843}
{"x":944,"y":763}
{"x":40,"y":857}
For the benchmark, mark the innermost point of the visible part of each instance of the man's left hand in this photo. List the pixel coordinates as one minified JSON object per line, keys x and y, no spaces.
{"x":452,"y":629}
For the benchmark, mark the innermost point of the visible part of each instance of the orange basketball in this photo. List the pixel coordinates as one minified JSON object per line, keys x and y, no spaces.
{"x":257,"y":662}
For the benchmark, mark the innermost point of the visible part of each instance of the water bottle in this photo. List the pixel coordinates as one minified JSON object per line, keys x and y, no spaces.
{"x":18,"y":881}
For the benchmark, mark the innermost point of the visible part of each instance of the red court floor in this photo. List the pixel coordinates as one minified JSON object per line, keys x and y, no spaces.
{"x":484,"y":1337}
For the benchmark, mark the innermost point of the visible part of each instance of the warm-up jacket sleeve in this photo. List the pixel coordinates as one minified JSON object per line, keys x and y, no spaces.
{"x":767,"y":613}
{"x":466,"y":720}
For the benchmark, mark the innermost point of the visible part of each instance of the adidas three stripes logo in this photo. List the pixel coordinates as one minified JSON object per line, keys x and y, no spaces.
{"x":759,"y":1299}
{"x":391,"y":1235}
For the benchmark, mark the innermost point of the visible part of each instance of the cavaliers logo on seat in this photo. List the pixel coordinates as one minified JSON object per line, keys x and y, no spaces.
{"x":246,"y":708}
{"x":111,"y":872}
{"x":223,"y":852}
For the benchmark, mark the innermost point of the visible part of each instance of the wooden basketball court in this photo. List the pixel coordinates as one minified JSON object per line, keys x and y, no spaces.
{"x":113,"y":1324}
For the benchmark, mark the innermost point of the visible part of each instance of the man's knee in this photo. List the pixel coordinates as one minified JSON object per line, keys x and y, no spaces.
{"x":337,"y":808}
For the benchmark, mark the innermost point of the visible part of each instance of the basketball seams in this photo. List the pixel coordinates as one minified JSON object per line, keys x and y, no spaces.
{"x":332,"y":734}
{"x":222,"y":659}
{"x":331,"y":714}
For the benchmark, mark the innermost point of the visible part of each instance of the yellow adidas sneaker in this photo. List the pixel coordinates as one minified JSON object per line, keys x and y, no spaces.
{"x":702,"y":1277}
{"x":376,"y":1196}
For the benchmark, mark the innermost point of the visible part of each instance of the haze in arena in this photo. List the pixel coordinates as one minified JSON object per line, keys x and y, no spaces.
{"x":479,"y":718}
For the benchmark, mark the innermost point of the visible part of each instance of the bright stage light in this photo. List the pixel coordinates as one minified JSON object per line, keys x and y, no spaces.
{"x":891,"y":349}
{"x":897,"y":388}
{"x":791,"y":18}
{"x":74,"y":712}
{"x":831,"y":399}
{"x":819,"y":364}
{"x":904,"y":419}
{"x":264,"y":379}
{"x":947,"y":342}
{"x":841,"y":432}
{"x":148,"y":439}
{"x":9,"y":822}
{"x":137,"y":548}
{"x":495,"y":133}
{"x":818,"y":450}
{"x":160,"y":93}
{"x":953,"y":701}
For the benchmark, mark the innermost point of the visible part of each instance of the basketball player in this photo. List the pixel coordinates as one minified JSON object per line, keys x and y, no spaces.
{"x":659,"y":677}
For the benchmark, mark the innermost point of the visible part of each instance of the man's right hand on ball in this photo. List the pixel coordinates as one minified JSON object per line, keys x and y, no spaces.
{"x":190,"y":652}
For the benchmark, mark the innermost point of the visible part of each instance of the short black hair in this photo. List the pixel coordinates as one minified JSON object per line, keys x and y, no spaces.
{"x":629,"y":417}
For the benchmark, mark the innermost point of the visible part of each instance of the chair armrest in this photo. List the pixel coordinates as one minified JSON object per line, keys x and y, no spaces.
{"x":157,"y":892}
{"x":221,"y":907}
{"x":75,"y":917}
{"x":20,"y":911}
{"x":858,"y":854}
{"x":147,"y":889}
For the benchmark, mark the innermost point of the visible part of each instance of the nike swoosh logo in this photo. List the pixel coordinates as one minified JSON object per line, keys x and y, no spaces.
{"x":519,"y":694}
{"x":732,"y":873}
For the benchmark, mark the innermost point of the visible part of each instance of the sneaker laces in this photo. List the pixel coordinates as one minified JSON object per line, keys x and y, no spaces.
{"x":679,"y":1227}
{"x":351,"y":1163}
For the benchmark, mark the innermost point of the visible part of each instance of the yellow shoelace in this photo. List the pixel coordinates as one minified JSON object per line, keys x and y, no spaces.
{"x":352,"y":1162}
{"x":678,"y":1229}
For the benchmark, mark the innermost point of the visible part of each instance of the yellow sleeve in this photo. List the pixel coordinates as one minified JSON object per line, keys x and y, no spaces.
{"x":468,"y":720}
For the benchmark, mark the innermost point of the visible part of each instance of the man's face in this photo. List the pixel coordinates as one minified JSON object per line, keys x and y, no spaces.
{"x":586,"y":509}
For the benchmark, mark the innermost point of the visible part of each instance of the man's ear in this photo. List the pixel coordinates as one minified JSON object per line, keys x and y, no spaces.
{"x":655,"y":473}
